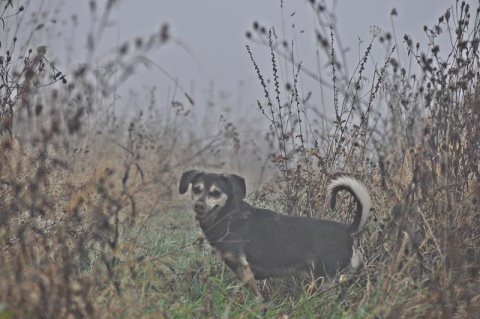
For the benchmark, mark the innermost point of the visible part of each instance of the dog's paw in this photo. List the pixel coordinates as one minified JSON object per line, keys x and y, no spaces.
{"x":259,"y":299}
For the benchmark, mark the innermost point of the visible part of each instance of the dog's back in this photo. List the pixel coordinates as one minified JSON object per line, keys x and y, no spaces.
{"x":275,"y":245}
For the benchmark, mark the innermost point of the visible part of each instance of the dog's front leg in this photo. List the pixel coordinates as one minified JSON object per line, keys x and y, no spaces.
{"x":244,"y":272}
{"x":253,"y":285}
{"x":242,"y":268}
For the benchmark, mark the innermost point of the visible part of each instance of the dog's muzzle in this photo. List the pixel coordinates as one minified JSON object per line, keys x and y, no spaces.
{"x":200,"y":210}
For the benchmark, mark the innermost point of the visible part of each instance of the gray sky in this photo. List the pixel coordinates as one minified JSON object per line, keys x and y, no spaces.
{"x":214,"y":32}
{"x":208,"y":56}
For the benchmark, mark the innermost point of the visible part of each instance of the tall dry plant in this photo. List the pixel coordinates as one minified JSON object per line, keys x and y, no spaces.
{"x":420,"y":161}
{"x":65,"y":206}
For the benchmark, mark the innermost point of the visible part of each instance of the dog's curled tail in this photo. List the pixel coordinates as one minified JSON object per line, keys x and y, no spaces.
{"x":360,"y":192}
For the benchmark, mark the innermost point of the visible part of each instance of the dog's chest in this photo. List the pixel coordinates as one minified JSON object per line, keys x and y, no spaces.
{"x":228,"y":235}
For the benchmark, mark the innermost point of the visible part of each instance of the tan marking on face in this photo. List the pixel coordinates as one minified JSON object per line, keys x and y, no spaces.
{"x":197,"y":190}
{"x":215,"y":198}
{"x":207,"y":202}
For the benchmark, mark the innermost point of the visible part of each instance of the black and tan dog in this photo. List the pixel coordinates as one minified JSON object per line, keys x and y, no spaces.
{"x":259,"y":243}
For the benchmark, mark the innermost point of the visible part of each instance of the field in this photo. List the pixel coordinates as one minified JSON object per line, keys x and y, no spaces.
{"x":92,"y":226}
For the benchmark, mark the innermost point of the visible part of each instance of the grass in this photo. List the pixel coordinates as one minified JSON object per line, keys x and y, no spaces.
{"x":91,"y":225}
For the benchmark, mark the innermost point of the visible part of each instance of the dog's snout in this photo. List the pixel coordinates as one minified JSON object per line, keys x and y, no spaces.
{"x":199,"y":207}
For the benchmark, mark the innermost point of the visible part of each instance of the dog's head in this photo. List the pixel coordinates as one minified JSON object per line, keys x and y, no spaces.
{"x":212,"y":192}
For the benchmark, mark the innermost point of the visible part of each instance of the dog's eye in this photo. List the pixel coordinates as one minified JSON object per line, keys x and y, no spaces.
{"x":196,"y":190}
{"x":215,"y":194}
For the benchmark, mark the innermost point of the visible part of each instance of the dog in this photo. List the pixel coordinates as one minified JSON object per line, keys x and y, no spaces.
{"x":259,"y":243}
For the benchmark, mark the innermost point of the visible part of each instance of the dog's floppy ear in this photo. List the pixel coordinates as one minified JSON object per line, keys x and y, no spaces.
{"x":186,"y":179}
{"x":238,"y":184}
